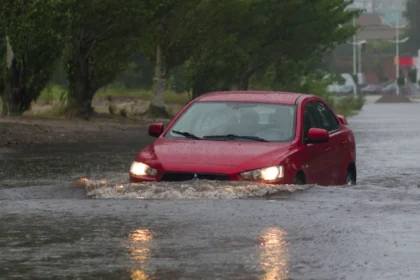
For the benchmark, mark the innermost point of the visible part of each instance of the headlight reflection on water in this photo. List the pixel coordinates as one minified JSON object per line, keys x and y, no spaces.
{"x":139,"y":253}
{"x":273,"y":255}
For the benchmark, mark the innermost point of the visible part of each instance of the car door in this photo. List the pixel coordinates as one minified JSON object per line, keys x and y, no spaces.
{"x":334,"y":156}
{"x":315,"y":161}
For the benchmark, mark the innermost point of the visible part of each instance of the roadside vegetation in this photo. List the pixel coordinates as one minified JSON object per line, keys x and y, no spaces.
{"x":138,"y":58}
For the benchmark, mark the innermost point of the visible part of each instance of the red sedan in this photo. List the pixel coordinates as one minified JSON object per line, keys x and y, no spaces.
{"x":258,"y":136}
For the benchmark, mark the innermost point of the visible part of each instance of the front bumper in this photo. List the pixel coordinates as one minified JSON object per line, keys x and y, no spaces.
{"x":177,"y":176}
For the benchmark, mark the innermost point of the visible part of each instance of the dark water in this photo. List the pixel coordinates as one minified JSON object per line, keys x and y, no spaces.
{"x":51,"y":230}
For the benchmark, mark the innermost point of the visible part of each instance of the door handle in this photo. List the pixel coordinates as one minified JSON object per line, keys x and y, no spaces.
{"x":327,"y":149}
{"x":344,"y":142}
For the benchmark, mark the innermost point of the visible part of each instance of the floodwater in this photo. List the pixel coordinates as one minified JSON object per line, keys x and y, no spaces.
{"x":51,"y":229}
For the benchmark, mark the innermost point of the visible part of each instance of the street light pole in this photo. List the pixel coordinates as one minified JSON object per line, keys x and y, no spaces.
{"x":397,"y":55}
{"x":360,"y":61}
{"x":357,"y":44}
{"x":397,"y":42}
{"x":354,"y":49}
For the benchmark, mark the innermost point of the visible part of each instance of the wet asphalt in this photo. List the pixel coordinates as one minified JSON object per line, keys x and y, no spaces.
{"x":51,"y":229}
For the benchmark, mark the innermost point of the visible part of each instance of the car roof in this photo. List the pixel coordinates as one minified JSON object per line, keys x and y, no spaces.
{"x":279,"y":97}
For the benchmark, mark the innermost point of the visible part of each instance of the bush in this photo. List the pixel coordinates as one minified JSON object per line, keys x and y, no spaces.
{"x":413,"y":75}
{"x":123,"y":112}
{"x":401,"y":81}
{"x":112,"y":109}
{"x":347,"y":106}
{"x":317,"y":82}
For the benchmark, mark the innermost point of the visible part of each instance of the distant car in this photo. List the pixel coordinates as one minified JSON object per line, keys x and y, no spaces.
{"x":372,"y":89}
{"x":346,"y":90}
{"x":389,"y":89}
{"x":257,"y":136}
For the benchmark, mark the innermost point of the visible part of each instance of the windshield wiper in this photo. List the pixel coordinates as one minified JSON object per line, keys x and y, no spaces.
{"x":234,"y":136}
{"x":186,"y":134}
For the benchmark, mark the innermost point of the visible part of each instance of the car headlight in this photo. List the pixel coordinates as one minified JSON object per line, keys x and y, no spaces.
{"x":141,"y":169}
{"x":265,"y":174}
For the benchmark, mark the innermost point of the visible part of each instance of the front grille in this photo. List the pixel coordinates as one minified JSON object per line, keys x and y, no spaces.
{"x":186,"y":176}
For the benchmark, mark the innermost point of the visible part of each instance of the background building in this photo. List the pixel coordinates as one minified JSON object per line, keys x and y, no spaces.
{"x":377,"y":27}
{"x":391,"y":9}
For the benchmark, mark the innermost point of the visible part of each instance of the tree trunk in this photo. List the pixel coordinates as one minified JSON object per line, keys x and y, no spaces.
{"x":244,"y":82}
{"x":160,"y":80}
{"x":199,"y":88}
{"x":14,"y":96}
{"x":4,"y":108}
{"x":202,"y":84}
{"x":80,"y":91}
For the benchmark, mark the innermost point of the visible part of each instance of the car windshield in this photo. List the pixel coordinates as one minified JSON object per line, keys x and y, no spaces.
{"x":234,"y":120}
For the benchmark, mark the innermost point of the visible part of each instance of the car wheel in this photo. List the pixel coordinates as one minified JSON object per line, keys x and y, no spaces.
{"x":350,"y":178}
{"x":299,"y":180}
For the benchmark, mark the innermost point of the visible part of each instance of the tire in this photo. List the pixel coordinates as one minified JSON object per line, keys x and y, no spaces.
{"x":350,"y":178}
{"x":299,"y":180}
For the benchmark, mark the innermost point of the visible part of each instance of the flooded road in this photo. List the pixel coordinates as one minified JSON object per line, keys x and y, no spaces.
{"x":50,"y":229}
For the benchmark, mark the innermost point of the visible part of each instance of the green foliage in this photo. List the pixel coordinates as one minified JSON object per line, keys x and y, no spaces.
{"x":176,"y":81}
{"x":316,"y":83}
{"x":142,"y":94}
{"x":412,"y":74}
{"x":112,"y":109}
{"x":401,"y":81}
{"x":111,"y":46}
{"x":175,"y":26}
{"x":308,"y":38}
{"x":412,"y":15}
{"x":103,"y":36}
{"x":35,"y":32}
{"x":157,"y":112}
{"x":349,"y":105}
{"x":123,"y":112}
{"x":384,"y":79}
{"x":266,"y":33}
{"x":138,"y":73}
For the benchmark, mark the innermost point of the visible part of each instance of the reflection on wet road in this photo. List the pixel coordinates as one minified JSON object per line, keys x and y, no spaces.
{"x":49,"y":229}
{"x":273,"y":256}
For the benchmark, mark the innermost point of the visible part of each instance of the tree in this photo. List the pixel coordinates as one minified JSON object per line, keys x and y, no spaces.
{"x":176,"y":30}
{"x":268,"y":34}
{"x":31,"y":32}
{"x":139,"y":73}
{"x":217,"y":59}
{"x":166,"y":41}
{"x":103,"y":36}
{"x":412,"y":14}
{"x":284,"y":35}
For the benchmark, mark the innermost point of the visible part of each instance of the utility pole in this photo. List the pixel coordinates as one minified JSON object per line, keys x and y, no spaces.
{"x":354,"y":59}
{"x":397,"y":50}
{"x":374,"y":6}
{"x":397,"y":42}
{"x":357,"y":44}
{"x":360,"y":62}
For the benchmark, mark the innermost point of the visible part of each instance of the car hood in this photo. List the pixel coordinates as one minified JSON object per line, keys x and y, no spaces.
{"x":241,"y":154}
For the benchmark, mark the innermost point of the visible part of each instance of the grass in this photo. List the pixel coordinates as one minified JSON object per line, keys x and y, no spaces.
{"x":55,"y":93}
{"x":349,"y":105}
{"x":58,"y":111}
{"x":56,"y":97}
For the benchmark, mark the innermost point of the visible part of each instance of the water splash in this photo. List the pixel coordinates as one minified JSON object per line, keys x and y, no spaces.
{"x":203,"y":189}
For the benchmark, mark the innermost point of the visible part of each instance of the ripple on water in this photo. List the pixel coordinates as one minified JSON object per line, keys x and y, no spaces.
{"x":201,"y":189}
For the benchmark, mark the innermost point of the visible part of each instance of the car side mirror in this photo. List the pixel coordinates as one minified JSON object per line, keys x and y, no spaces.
{"x":342,"y":119}
{"x":156,"y":129}
{"x":317,"y":135}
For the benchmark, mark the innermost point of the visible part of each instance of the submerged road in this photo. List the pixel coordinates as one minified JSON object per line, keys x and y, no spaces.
{"x":52,"y":230}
